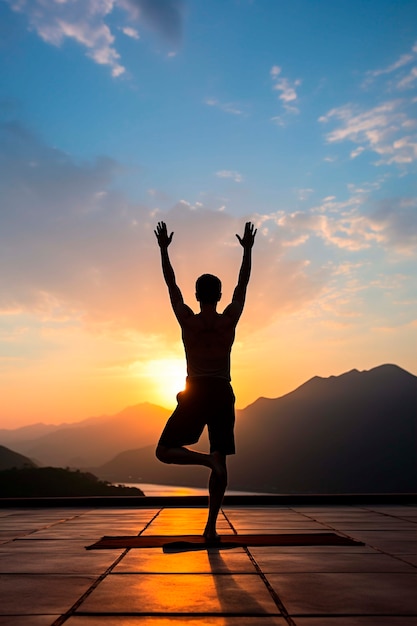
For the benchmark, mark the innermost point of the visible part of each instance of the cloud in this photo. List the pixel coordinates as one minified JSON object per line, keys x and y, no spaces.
{"x":404,"y":59}
{"x":304,"y":194}
{"x":236,"y":176}
{"x":396,"y":220}
{"x":131,"y":32}
{"x":400,"y":81}
{"x":164,"y":16}
{"x":286,"y":88}
{"x":81,"y":20}
{"x":391,"y":226}
{"x":383,"y":129}
{"x":84,"y":21}
{"x":226,"y":107}
{"x":75,"y":251}
{"x":408,"y":81}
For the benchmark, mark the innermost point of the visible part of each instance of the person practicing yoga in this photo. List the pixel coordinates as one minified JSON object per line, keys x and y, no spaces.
{"x":208,"y":398}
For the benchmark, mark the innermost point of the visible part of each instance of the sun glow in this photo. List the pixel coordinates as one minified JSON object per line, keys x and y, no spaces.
{"x":167,"y":376}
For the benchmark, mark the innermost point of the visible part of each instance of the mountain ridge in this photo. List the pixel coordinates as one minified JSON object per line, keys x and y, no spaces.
{"x":351,"y":432}
{"x":11,"y":459}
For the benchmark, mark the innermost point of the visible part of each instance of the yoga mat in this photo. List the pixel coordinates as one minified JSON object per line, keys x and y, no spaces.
{"x":183,"y":542}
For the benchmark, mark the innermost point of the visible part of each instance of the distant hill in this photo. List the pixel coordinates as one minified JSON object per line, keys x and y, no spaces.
{"x":95,"y":440}
{"x":24,"y":433}
{"x":141,"y":466}
{"x":350,"y":433}
{"x":30,"y":482}
{"x":10,"y":459}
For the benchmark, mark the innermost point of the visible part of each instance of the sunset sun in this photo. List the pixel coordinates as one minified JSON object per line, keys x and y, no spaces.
{"x":167,"y":376}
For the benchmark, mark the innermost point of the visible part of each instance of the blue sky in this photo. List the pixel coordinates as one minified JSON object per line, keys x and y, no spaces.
{"x":298,"y":115}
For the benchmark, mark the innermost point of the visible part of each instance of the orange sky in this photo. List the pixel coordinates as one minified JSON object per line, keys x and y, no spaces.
{"x":124,"y":347}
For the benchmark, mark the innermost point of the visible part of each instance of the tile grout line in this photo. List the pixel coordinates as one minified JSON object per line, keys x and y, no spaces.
{"x":70,"y":613}
{"x":400,"y":517}
{"x":32,"y":532}
{"x":379,"y":550}
{"x":275,"y":597}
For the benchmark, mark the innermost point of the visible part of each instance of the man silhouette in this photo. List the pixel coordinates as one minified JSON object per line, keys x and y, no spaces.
{"x":208,"y":397}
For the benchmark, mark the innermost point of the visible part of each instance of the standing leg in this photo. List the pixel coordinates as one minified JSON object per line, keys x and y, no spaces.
{"x":217,"y":487}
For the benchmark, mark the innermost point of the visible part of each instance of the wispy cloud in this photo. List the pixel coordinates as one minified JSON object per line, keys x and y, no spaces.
{"x":130,"y":32}
{"x":400,"y":75}
{"x":349,"y":225}
{"x":236,"y":176}
{"x":304,"y":194}
{"x":384,"y":130}
{"x":399,"y":79}
{"x":287,"y":92}
{"x":81,"y":246}
{"x":408,"y":81}
{"x":69,"y":227}
{"x":84,"y":21}
{"x":226,"y":107}
{"x":404,"y":59}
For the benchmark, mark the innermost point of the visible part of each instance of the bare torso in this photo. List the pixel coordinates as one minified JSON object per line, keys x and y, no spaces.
{"x":208,"y":338}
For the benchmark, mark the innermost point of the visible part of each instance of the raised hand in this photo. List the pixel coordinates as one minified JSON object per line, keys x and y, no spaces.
{"x":162,"y":236}
{"x":248,"y":238}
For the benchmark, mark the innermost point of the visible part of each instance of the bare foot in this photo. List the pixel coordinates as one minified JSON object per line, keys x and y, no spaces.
{"x":211,"y":536}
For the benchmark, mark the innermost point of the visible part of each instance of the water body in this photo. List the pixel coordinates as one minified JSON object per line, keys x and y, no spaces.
{"x":150,"y":489}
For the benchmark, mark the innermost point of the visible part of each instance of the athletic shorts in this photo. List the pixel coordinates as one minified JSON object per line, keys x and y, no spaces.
{"x":204,"y":401}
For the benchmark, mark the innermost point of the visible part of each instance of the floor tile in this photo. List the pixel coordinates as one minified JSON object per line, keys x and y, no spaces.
{"x":378,"y":594}
{"x":22,"y":594}
{"x":326,"y":562}
{"x":27,"y":620}
{"x":184,"y":593}
{"x":409,"y":558}
{"x":67,"y":562}
{"x":47,"y":569}
{"x":212,"y":561}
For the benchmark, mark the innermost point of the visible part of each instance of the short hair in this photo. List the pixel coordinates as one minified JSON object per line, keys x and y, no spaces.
{"x":208,"y":289}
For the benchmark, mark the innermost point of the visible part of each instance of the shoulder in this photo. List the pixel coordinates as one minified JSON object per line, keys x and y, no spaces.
{"x":232,"y":312}
{"x":183,"y":312}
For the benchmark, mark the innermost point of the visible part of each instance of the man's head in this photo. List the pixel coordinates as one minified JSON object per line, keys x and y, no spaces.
{"x":208,"y":289}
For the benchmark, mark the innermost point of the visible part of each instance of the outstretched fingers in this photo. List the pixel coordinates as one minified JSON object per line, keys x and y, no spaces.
{"x":248,"y":238}
{"x":162,"y":236}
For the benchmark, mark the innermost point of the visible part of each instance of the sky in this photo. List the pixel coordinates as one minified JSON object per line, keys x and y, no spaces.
{"x":115,"y":114}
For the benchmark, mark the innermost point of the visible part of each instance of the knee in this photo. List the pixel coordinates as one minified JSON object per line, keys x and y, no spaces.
{"x":161,"y":454}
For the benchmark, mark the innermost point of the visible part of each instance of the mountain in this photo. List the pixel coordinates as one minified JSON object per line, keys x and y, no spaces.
{"x":35,"y":482}
{"x":95,"y":440}
{"x":27,"y":432}
{"x":350,"y":433}
{"x":10,"y":459}
{"x":353,"y":433}
{"x":141,"y":466}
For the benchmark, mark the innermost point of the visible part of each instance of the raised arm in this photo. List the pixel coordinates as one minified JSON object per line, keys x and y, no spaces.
{"x":239,"y":294}
{"x":177,"y":301}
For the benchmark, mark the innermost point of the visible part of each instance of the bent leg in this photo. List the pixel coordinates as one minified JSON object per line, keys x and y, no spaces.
{"x":217,"y":487}
{"x":183,"y":456}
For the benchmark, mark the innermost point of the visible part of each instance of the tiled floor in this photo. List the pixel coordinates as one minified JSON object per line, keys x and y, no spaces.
{"x":47,"y":578}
